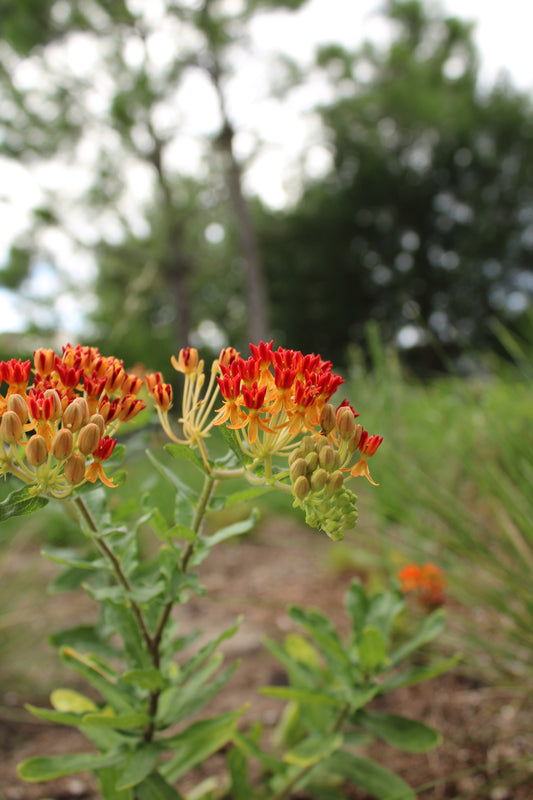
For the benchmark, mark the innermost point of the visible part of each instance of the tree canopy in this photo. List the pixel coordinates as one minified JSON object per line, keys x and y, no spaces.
{"x":424,"y":223}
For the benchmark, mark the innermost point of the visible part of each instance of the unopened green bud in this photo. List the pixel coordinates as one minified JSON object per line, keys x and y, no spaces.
{"x":298,"y":467}
{"x":18,"y":404}
{"x":11,"y":427}
{"x":307,"y":444}
{"x":36,"y":450}
{"x":327,"y":458}
{"x":301,"y":487}
{"x":311,"y":460}
{"x":321,"y":443}
{"x":327,"y":418}
{"x":318,"y":479}
{"x":62,"y":444}
{"x":296,"y":454}
{"x":335,"y":481}
{"x":75,"y":469}
{"x":89,"y":439}
{"x":345,"y":422}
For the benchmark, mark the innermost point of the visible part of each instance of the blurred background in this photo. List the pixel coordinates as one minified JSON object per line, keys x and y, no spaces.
{"x":208,"y":172}
{"x":349,"y":178}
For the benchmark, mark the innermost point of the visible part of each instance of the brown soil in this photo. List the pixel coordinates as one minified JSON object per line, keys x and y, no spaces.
{"x":487,"y":732}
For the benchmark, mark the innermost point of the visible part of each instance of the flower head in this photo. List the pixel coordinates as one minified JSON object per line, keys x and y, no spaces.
{"x":425,"y":581}
{"x":56,"y":430}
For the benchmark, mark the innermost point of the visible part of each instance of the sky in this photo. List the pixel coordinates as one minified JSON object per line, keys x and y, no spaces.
{"x":503,"y":38}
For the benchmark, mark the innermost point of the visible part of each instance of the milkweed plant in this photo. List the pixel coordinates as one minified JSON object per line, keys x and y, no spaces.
{"x":146,"y":716}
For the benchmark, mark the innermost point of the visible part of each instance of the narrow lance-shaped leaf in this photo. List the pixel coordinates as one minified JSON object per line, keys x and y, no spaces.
{"x":46,"y":768}
{"x":402,"y":732}
{"x":21,"y":502}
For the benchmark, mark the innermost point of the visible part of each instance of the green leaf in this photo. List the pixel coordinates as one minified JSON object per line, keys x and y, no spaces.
{"x":119,"y":698}
{"x":46,"y":768}
{"x":236,"y":529}
{"x":233,"y":443}
{"x":301,"y":674}
{"x":181,"y":532}
{"x":58,"y":717}
{"x":250,"y":749}
{"x":71,"y":558}
{"x":107,"y":777}
{"x":418,"y":674}
{"x":73,"y":702}
{"x":135,"y":719}
{"x":138,"y":766}
{"x":149,"y":678}
{"x":81,"y":637}
{"x":245,"y":495}
{"x":240,"y":788}
{"x":357,"y":602}
{"x":172,"y":478}
{"x":155,"y":787}
{"x":21,"y":502}
{"x":301,"y":696}
{"x":190,"y":667}
{"x":378,"y":781}
{"x":179,"y":702}
{"x":406,"y":734}
{"x":430,"y":628}
{"x":186,"y":452}
{"x":325,"y":635}
{"x":372,"y":650}
{"x":199,"y":741}
{"x":313,"y":749}
{"x":383,"y":610}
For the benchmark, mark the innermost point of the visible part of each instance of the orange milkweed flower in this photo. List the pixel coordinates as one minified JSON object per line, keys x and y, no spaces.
{"x":425,"y":581}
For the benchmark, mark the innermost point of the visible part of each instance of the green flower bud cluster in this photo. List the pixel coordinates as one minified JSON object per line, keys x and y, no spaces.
{"x":317,"y":484}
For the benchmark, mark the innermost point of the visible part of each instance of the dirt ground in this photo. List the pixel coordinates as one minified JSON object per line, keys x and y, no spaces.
{"x":487,"y":732}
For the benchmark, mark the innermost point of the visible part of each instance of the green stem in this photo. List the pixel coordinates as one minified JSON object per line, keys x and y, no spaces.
{"x":207,"y":490}
{"x":155,"y":643}
{"x":122,"y":578}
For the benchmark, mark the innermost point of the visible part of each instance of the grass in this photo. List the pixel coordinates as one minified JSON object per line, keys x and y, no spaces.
{"x":456,"y":472}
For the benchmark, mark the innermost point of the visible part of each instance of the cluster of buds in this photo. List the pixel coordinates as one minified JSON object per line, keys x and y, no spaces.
{"x":318,"y":487}
{"x":319,"y":464}
{"x":426,"y":582}
{"x":277,"y":403}
{"x":56,"y":433}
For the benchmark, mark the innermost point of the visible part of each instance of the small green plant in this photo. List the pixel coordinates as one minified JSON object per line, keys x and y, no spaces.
{"x":150,"y":684}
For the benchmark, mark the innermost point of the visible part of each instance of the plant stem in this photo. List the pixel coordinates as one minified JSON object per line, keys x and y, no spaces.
{"x":207,"y":490}
{"x":155,"y":641}
{"x":108,"y":553}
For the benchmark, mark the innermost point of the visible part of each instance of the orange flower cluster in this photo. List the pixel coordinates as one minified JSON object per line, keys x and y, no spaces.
{"x":274,"y":395}
{"x":56,"y":432}
{"x":425,"y":581}
{"x":276,"y":402}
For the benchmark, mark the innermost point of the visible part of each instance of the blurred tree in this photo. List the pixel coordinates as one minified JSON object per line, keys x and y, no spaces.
{"x":425,"y":221}
{"x":99,"y":86}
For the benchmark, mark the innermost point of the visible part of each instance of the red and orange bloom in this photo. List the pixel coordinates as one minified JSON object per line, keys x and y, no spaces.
{"x":278,"y":394}
{"x":50,"y":434}
{"x":426,"y":582}
{"x":102,"y":453}
{"x":275,"y":401}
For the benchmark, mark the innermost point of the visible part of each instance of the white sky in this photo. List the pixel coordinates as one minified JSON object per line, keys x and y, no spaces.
{"x":502,"y":34}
